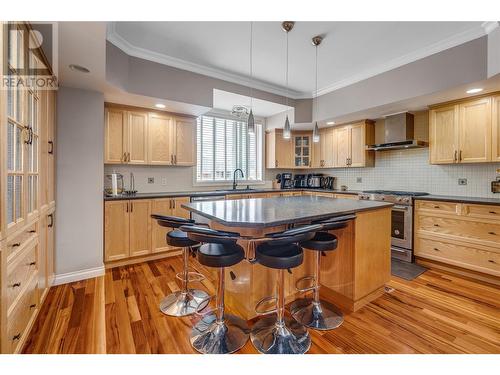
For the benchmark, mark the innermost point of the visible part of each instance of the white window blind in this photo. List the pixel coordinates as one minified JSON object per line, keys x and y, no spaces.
{"x":224,"y":145}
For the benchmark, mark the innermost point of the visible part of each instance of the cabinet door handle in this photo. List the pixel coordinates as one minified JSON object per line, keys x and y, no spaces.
{"x":17,"y":244}
{"x":32,"y":306}
{"x":277,"y":163}
{"x":124,"y":157}
{"x":16,"y":285}
{"x":170,"y":204}
{"x":131,"y":206}
{"x":491,"y":261}
{"x":460,"y":155}
{"x":436,"y":225}
{"x":51,"y":224}
{"x":175,"y":159}
{"x":31,"y":264}
{"x":436,"y":249}
{"x":173,"y":200}
{"x":126,"y":209}
{"x":492,"y":233}
{"x":492,"y":212}
{"x":16,"y":337}
{"x":455,"y":156}
{"x":436,"y":206}
{"x":51,"y":150}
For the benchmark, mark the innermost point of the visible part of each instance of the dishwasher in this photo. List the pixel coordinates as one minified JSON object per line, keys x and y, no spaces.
{"x":202,"y":219}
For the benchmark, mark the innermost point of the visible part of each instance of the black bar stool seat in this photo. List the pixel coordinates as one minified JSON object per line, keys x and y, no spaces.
{"x":280,"y":256}
{"x":217,"y":255}
{"x":322,"y":241}
{"x":178,"y":238}
{"x":185,"y":301}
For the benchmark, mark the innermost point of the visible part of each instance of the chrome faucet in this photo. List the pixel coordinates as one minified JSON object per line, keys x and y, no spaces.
{"x":234,"y":177}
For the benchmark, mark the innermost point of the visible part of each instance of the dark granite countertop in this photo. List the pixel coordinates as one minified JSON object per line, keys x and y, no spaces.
{"x":451,"y":198}
{"x":216,"y":193}
{"x":264,"y":212}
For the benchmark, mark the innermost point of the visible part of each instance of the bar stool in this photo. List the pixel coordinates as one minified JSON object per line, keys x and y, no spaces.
{"x":220,"y":333}
{"x":313,"y":312}
{"x":186,"y":301}
{"x":280,"y":334}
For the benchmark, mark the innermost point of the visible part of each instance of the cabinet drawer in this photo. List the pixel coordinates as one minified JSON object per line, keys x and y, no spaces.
{"x":18,"y":319}
{"x":462,"y":256}
{"x":19,"y":241}
{"x":19,"y":272}
{"x":346,"y":196}
{"x":487,"y":234}
{"x":438,"y":207}
{"x":482,"y":211}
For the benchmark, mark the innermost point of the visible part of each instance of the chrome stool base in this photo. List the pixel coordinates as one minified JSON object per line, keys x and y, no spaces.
{"x":270,"y":338}
{"x":182,"y":304}
{"x":211,"y":337}
{"x":320,"y":315}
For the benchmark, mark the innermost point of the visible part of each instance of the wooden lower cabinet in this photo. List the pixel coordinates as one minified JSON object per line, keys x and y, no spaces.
{"x":129,"y":231}
{"x":459,"y":234}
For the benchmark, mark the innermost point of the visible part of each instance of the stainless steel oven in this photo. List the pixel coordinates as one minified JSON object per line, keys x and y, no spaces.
{"x":401,"y":226}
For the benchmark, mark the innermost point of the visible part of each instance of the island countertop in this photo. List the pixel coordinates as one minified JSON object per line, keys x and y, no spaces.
{"x":265,"y":212}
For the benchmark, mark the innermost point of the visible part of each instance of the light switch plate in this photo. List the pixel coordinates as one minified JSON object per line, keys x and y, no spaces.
{"x":164,"y":181}
{"x":462,"y":181}
{"x":151,"y":180}
{"x":359,"y":180}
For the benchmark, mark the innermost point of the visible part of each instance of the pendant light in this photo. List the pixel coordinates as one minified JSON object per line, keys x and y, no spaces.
{"x":251,"y":120}
{"x":287,"y":26}
{"x":316,"y":41}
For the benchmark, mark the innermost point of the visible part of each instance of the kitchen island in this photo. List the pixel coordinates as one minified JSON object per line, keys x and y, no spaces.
{"x":351,"y":276}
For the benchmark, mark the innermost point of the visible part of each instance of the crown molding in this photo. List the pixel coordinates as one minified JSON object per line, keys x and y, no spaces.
{"x":132,"y":50}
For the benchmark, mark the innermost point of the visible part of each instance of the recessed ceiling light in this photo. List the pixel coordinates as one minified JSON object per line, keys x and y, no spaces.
{"x":330,"y":123}
{"x":473,"y":91}
{"x":159,"y":105}
{"x":79,"y":68}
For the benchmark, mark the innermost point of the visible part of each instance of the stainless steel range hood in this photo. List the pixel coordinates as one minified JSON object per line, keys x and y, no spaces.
{"x":398,"y":134}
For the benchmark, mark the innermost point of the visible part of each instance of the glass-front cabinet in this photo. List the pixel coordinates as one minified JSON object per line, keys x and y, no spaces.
{"x":302,"y":150}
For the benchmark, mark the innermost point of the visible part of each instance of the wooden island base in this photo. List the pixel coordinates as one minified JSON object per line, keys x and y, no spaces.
{"x":351,"y":276}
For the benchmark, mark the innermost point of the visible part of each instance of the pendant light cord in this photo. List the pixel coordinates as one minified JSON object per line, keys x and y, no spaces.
{"x":316,"y":90}
{"x":286,"y":98}
{"x":251,"y":63}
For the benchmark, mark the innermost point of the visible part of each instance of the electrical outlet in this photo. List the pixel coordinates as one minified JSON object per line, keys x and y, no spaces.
{"x":164,"y":181}
{"x":151,"y":180}
{"x":462,"y":181}
{"x":359,"y":180}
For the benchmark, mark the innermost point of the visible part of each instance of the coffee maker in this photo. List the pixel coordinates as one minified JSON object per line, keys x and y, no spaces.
{"x":300,"y":180}
{"x":314,"y":180}
{"x":286,"y":181}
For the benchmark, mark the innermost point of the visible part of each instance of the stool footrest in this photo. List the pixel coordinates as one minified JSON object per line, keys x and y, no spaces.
{"x":306,"y":289}
{"x":192,"y":276}
{"x":263,"y":301}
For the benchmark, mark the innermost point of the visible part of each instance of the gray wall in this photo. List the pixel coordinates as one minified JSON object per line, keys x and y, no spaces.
{"x":494,"y":52}
{"x":79,"y":212}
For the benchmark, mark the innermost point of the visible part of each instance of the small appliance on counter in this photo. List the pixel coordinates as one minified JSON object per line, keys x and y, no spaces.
{"x":113,"y":184}
{"x":495,"y":185}
{"x":314,"y":180}
{"x":286,"y":181}
{"x":131,"y":190}
{"x":277,"y":182}
{"x":300,"y":181}
{"x":328,"y":183}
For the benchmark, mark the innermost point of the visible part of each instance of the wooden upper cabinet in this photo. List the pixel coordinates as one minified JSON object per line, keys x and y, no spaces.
{"x":279,"y":151}
{"x":160,"y":150}
{"x":114,"y":137}
{"x":136,"y":138}
{"x":326,"y":141}
{"x":116,"y":230}
{"x":475,"y":131}
{"x":185,"y":142}
{"x":443,"y":135}
{"x":463,"y":132}
{"x":350,"y":144}
{"x":495,"y":129}
{"x":342,"y":146}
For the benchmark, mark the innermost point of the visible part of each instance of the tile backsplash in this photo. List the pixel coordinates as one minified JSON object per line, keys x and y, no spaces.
{"x":409,"y":170}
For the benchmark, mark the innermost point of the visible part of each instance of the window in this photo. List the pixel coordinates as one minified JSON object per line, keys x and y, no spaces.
{"x":224,"y":145}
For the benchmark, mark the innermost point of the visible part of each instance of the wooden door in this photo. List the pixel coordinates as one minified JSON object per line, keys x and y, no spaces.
{"x":443,"y":135}
{"x":160,"y":131}
{"x":184,"y":141}
{"x":161,"y":206}
{"x":116,"y":230}
{"x":342,"y":146}
{"x":140,"y":227}
{"x":283,"y":150}
{"x":357,"y":143}
{"x":137,"y":138}
{"x":114,"y":136}
{"x":495,"y":152}
{"x":475,"y":131}
{"x":327,"y":150}
{"x":177,"y":207}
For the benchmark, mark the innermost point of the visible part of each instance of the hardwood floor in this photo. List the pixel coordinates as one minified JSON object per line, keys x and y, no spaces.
{"x":118,"y":313}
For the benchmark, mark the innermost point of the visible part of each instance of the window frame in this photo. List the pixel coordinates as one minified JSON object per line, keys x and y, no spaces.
{"x":261,"y":162}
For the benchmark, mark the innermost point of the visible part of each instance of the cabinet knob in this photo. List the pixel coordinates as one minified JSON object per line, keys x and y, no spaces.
{"x":491,"y":261}
{"x":492,"y":233}
{"x":436,"y":206}
{"x":436,"y":249}
{"x":16,"y":337}
{"x":436,"y":225}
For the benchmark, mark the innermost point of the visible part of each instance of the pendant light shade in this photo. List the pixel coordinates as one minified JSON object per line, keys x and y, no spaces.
{"x":316,"y":133}
{"x":251,"y":123}
{"x":287,"y":131}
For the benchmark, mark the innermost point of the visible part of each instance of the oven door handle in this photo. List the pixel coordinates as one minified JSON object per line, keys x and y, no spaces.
{"x":399,"y":207}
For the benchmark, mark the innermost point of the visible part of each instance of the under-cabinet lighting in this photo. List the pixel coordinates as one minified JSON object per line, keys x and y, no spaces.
{"x":474,"y":91}
{"x":330,"y":123}
{"x":159,"y":105}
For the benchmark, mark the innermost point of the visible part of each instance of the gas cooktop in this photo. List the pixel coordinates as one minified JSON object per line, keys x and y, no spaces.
{"x":392,"y":192}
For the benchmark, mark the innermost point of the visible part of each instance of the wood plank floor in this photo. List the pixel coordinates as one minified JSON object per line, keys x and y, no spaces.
{"x":118,"y":313}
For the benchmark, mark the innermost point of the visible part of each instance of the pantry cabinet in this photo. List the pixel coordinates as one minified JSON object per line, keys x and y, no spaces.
{"x":138,"y":136}
{"x":350,"y":143}
{"x":463,"y":132}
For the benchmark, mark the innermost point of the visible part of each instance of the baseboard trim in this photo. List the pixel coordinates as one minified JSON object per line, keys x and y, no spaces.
{"x":70,"y":277}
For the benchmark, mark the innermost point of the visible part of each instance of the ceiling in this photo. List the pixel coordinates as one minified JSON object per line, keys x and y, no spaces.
{"x":350,"y":52}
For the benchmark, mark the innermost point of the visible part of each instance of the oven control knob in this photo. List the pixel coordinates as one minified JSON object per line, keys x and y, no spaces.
{"x":399,"y":199}
{"x":406,"y":200}
{"x":396,"y":232}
